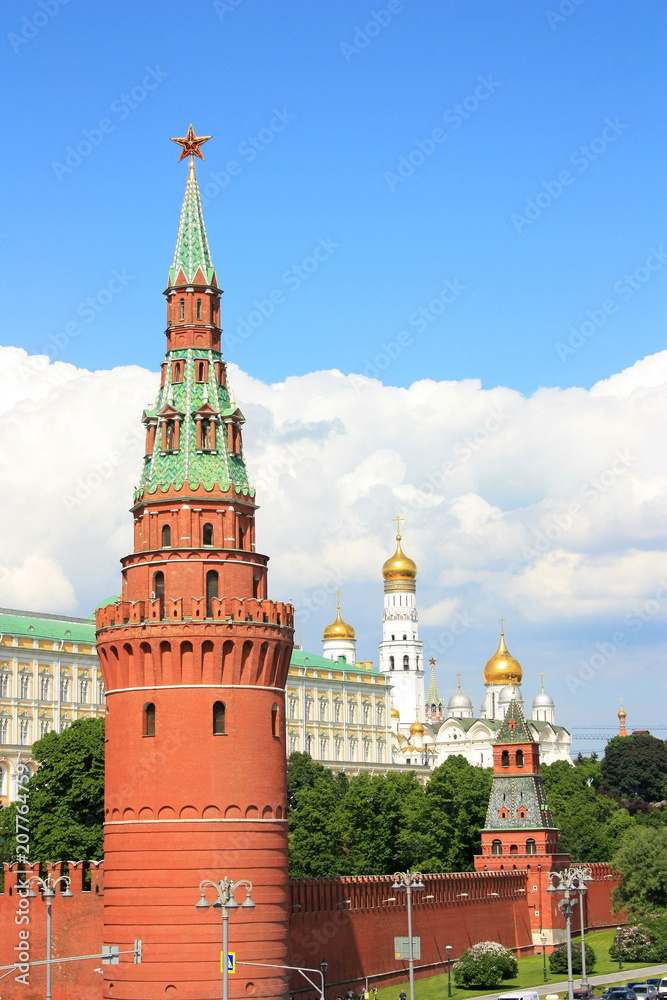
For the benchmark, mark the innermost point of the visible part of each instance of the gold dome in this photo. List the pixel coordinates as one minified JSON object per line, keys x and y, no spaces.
{"x":502,"y":668}
{"x":395,"y":714}
{"x":339,"y":629}
{"x":622,"y":714}
{"x":416,"y":729}
{"x":399,"y":566}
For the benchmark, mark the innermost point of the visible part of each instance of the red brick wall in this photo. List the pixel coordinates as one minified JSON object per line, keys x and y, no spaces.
{"x":347,"y":921}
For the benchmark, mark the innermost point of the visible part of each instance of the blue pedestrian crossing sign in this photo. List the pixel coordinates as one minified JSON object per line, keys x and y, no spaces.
{"x":231,"y":962}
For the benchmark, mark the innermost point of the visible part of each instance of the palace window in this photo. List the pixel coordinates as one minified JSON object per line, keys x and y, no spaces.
{"x":292,"y":707}
{"x":337,"y":711}
{"x":323,"y":709}
{"x":4,"y":730}
{"x":149,"y":719}
{"x":64,"y":688}
{"x":293,"y":742}
{"x":366,"y":711}
{"x":4,"y":684}
{"x":44,"y":727}
{"x":309,"y":707}
{"x":24,"y":732}
{"x":350,"y":710}
{"x":353,"y":749}
{"x":379,"y":712}
{"x":44,"y":687}
{"x":338,"y":748}
{"x":100,"y":692}
{"x":323,"y":748}
{"x":367,"y":749}
{"x":24,"y":685}
{"x":218,"y":719}
{"x":309,"y":743}
{"x":83,"y":691}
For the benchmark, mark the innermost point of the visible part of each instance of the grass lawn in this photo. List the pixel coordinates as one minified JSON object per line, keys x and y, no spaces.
{"x":530,"y":974}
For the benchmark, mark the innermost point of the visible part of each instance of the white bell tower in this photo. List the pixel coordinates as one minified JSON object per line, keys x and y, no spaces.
{"x":401,"y":652}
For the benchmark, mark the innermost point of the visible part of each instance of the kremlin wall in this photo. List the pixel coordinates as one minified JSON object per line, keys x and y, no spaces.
{"x":350,"y":922}
{"x":191,"y":650}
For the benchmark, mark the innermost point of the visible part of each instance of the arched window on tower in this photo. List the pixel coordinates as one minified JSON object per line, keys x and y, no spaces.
{"x":181,"y":309}
{"x":519,"y":758}
{"x":505,"y":758}
{"x":158,"y":585}
{"x":211,"y":591}
{"x":219,"y":718}
{"x":406,"y":662}
{"x":166,"y":536}
{"x":531,"y":846}
{"x":207,"y":534}
{"x":149,"y":719}
{"x":404,"y":637}
{"x":275,"y":720}
{"x":198,"y":309}
{"x":391,"y":662}
{"x":496,"y":847}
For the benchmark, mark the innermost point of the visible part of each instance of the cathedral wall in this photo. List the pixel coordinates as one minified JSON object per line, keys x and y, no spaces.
{"x":350,"y":922}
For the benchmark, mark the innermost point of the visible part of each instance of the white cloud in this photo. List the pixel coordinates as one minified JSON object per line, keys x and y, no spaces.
{"x":548,"y":509}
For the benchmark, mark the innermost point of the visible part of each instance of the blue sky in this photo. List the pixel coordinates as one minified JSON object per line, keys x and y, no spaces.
{"x":553,"y":81}
{"x":483,"y":183}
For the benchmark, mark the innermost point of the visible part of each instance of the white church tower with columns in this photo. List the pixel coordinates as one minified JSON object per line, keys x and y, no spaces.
{"x":401,"y":652}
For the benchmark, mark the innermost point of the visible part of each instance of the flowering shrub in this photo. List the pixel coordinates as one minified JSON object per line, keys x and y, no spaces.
{"x":485,"y":964}
{"x":558,"y":959}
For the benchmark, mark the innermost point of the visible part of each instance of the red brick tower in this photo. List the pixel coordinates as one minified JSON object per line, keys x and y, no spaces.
{"x":195,"y":658}
{"x":519,"y":831}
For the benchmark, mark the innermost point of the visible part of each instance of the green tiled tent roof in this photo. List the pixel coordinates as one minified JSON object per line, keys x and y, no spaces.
{"x":192,"y":250}
{"x":514,"y":728}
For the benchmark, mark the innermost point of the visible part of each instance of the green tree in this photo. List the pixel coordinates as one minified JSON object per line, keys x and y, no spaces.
{"x":580,"y":811}
{"x":455,"y":804}
{"x":635,"y":767}
{"x":641,"y":861}
{"x":315,"y":830}
{"x":302,"y":772}
{"x":65,"y":797}
{"x":380,"y":816}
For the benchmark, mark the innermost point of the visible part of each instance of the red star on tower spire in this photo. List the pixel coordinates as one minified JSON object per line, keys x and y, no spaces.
{"x":191,"y":143}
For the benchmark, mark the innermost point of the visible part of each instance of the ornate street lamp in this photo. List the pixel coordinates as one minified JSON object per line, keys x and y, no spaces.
{"x":225,"y":901}
{"x":448,"y":949}
{"x":567,"y":883}
{"x":543,"y":939}
{"x":410,"y":881}
{"x":324,"y":965}
{"x":47,"y":888}
{"x":618,"y":940}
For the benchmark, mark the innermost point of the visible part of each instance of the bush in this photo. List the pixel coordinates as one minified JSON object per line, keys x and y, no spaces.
{"x":636,"y":945}
{"x":485,"y":965}
{"x":558,"y":959}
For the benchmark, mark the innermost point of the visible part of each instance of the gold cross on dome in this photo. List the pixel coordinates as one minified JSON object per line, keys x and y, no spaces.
{"x":398,"y":520}
{"x":191,"y":144}
{"x":502,"y":624}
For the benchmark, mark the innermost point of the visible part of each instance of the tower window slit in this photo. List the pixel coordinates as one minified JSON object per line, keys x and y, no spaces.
{"x":181,"y":309}
{"x":219,"y":719}
{"x":211,"y":591}
{"x":207,"y":534}
{"x":275,"y":720}
{"x":166,"y":536}
{"x":149,"y":719}
{"x":198,"y":308}
{"x":158,"y":585}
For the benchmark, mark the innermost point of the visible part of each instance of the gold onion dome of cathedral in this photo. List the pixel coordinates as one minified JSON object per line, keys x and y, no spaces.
{"x":502,"y":668}
{"x":339,"y":629}
{"x":395,"y":714}
{"x":416,"y":729}
{"x":399,"y":566}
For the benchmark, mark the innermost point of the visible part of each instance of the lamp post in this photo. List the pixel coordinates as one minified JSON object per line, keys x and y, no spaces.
{"x":618,"y":941}
{"x":584,"y":875}
{"x":324,"y":965}
{"x":47,"y":887}
{"x":543,"y":939}
{"x":566,"y":882}
{"x":225,"y":890}
{"x":409,"y":881}
{"x":448,"y":949}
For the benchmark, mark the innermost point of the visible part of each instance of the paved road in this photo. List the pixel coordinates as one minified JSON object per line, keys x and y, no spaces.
{"x":635,"y":974}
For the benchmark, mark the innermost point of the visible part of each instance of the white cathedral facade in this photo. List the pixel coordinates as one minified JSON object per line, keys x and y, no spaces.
{"x":423,"y":730}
